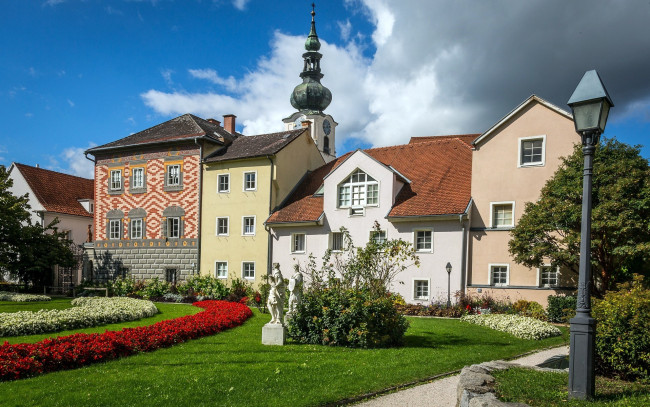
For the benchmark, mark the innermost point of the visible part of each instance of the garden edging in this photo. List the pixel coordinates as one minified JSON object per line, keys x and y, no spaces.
{"x":476,"y":384}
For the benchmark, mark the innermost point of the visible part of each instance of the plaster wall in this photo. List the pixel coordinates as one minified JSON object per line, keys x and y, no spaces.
{"x":77,"y":225}
{"x":20,"y":188}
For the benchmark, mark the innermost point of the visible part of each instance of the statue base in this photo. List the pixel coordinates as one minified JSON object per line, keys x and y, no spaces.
{"x":274,"y":334}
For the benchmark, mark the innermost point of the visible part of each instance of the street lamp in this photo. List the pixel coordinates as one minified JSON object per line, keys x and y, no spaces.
{"x":448,"y":267}
{"x":590,"y":104}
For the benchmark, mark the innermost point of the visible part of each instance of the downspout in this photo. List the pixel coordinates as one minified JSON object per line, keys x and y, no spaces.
{"x":199,"y":222}
{"x":269,"y":256}
{"x":463,"y":261}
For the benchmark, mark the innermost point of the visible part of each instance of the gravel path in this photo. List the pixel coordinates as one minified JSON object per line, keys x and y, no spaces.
{"x":442,"y":392}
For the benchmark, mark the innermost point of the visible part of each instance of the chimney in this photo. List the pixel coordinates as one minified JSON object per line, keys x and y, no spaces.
{"x":214,"y":121}
{"x":229,"y":123}
{"x":306,"y":123}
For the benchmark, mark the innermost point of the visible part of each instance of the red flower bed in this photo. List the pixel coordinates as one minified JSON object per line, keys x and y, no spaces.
{"x":69,"y":352}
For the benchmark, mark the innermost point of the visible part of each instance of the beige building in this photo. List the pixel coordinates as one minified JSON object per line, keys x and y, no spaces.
{"x":511,"y":163}
{"x":243,"y":183}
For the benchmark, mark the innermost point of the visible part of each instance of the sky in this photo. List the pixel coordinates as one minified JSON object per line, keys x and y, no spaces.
{"x":80,"y":73}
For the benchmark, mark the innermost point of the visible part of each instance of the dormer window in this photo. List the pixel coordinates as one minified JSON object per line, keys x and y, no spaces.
{"x":358,"y":190}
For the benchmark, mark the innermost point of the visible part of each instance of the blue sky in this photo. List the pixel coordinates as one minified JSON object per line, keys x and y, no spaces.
{"x":78,"y":73}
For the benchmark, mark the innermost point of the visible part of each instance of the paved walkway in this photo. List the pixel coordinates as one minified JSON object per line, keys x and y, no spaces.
{"x":442,"y":392}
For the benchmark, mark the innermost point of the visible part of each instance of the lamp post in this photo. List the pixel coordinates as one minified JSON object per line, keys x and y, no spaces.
{"x":590,"y":104}
{"x":448,"y":267}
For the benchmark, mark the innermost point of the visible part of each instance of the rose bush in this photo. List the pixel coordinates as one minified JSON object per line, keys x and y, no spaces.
{"x":69,"y":352}
{"x":519,"y":326}
{"x":7,"y":296}
{"x":86,"y":312}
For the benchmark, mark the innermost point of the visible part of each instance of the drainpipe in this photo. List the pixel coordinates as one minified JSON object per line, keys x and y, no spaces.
{"x":199,"y":222}
{"x":269,"y":256}
{"x":463,"y":261}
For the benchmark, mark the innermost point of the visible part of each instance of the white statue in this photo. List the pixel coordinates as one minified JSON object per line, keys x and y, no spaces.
{"x":295,"y":293}
{"x":276,"y":295}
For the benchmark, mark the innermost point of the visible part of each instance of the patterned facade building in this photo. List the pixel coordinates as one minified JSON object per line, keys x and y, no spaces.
{"x":147,"y":199}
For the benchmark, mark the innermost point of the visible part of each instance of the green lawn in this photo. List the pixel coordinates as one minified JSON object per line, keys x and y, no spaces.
{"x":55,"y":303}
{"x":544,"y":389}
{"x":234,"y":368}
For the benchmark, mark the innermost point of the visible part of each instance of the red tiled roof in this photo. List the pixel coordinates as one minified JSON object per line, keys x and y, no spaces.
{"x":440,"y":172}
{"x":467,"y":138}
{"x":58,"y":192}
{"x":254,"y":146}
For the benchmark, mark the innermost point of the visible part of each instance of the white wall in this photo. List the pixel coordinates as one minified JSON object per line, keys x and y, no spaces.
{"x":20,"y":188}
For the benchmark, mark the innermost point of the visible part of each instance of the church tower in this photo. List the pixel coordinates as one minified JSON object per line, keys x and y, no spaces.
{"x":310,"y":98}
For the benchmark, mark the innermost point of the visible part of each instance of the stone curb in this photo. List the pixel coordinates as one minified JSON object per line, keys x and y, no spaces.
{"x":476,"y":384}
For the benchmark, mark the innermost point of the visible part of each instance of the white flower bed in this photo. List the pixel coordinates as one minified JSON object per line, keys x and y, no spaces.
{"x":517,"y":325}
{"x":7,"y":296}
{"x":86,"y":312}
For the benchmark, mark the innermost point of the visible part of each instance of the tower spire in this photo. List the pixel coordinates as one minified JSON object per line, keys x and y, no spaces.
{"x":311,"y":96}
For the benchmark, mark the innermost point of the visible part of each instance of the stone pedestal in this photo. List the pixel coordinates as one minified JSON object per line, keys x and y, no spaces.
{"x":274,"y":334}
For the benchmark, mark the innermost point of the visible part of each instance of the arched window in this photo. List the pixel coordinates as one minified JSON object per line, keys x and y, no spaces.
{"x":359,"y":189}
{"x":326,"y":145}
{"x":172,"y":222}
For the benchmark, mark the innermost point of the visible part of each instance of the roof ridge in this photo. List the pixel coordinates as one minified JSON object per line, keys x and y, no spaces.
{"x":52,"y":171}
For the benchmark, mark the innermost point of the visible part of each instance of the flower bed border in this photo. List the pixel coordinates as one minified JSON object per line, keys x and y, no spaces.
{"x":73,"y":351}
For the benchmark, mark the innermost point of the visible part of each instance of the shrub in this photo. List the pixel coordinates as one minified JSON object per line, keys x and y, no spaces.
{"x":7,"y":296}
{"x":154,"y":288}
{"x":239,"y":290}
{"x":622,"y":327}
{"x":347,"y":318}
{"x":433,"y":310}
{"x":121,"y":286}
{"x":561,"y":308}
{"x":519,"y":326}
{"x":204,"y":286}
{"x":531,"y":309}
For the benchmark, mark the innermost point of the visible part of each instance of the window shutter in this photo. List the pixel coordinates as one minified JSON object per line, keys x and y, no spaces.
{"x":128,"y":229}
{"x":163,"y":228}
{"x":108,"y":229}
{"x":181,"y":227}
{"x":180,"y":176}
{"x":121,"y":234}
{"x":144,"y":229}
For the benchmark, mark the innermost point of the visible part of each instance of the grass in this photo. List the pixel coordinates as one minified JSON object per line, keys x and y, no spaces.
{"x":233,"y":368}
{"x":544,"y":389}
{"x":166,"y":311}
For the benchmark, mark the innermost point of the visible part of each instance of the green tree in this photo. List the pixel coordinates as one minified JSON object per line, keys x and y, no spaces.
{"x":28,"y":251}
{"x":620,"y":236}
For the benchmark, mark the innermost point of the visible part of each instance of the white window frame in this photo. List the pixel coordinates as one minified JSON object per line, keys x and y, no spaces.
{"x":219,"y":176}
{"x":415,"y":240}
{"x":216,"y":269}
{"x":170,"y":228}
{"x":294,"y":236}
{"x":168,"y":174}
{"x":371,"y":235}
{"x":243,"y":270}
{"x":243,"y":225}
{"x":520,"y":151}
{"x":557,"y":278}
{"x":133,"y":177}
{"x":244,"y":179}
{"x":414,"y":281}
{"x":490,"y":277}
{"x":493,"y":204}
{"x":112,"y":222}
{"x":227,"y":218}
{"x":362,"y":190}
{"x":132,"y":229}
{"x":119,"y":188}
{"x":332,"y":242}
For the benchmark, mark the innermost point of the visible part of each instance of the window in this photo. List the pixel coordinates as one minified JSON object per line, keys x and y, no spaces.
{"x":223,"y":183}
{"x":248,"y":227}
{"x":136,"y":228}
{"x":248,"y":270}
{"x":549,"y":276}
{"x":222,"y":226}
{"x":337,"y":241}
{"x":531,"y":151}
{"x":174,"y":227}
{"x":499,"y":274}
{"x":221,"y":269}
{"x":92,"y":208}
{"x":359,"y":189}
{"x":170,"y":275}
{"x":115,"y":229}
{"x":137,"y":178}
{"x":502,"y":214}
{"x":116,"y":180}
{"x":378,"y":236}
{"x":174,"y":175}
{"x":424,"y":240}
{"x":421,"y":289}
{"x":298,"y":243}
{"x":250,"y":181}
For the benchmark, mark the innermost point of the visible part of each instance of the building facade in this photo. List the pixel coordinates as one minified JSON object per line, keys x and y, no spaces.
{"x":147,"y":199}
{"x":511,"y":163}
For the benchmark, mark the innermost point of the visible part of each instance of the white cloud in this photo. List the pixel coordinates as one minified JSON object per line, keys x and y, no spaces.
{"x":167,"y":76}
{"x":3,"y":150}
{"x":345,"y":28}
{"x":240,"y":4}
{"x":76,"y":162}
{"x":210,"y":74}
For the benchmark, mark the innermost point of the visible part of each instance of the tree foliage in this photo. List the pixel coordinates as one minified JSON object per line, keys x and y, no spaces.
{"x":28,"y":251}
{"x":620,"y":236}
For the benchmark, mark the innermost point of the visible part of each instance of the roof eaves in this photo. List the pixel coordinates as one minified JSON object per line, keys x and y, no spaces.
{"x":519,"y":108}
{"x":126,"y":146}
